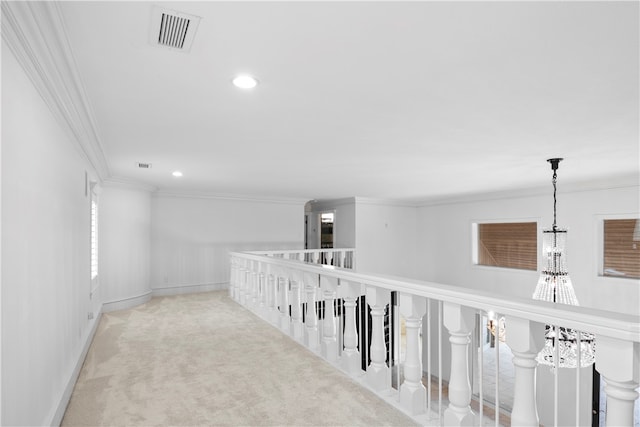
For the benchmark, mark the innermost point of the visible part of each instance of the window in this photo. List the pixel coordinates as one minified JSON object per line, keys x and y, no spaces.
{"x":509,"y":245}
{"x":621,"y":248}
{"x":94,"y":237}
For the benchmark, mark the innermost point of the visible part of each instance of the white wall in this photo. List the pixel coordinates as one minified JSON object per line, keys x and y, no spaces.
{"x":444,"y":244}
{"x":124,"y":246}
{"x":191,"y":237}
{"x":45,"y":254}
{"x":386,"y":241}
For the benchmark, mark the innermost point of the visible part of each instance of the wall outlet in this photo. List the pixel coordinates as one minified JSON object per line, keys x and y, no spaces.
{"x":90,"y":316}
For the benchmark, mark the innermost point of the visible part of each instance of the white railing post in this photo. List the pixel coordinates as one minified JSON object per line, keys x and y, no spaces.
{"x":378,"y":373}
{"x":296,"y":306}
{"x":311,"y":316}
{"x":329,"y":347}
{"x":262,"y":286}
{"x":526,"y":339}
{"x":459,"y":320}
{"x":284,"y":301}
{"x":350,"y":360}
{"x":277,"y":301}
{"x":412,"y":391}
{"x":618,"y":362}
{"x":272,"y":295}
{"x":244,"y":273}
{"x":254,"y":285}
{"x":232,"y":280}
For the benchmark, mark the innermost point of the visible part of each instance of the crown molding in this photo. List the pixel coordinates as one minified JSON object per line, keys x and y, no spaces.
{"x":233,"y":197}
{"x":386,"y":202}
{"x":605,"y":184}
{"x":36,"y":34}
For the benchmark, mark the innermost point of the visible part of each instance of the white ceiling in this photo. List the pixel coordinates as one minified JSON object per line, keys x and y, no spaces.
{"x":399,"y":100}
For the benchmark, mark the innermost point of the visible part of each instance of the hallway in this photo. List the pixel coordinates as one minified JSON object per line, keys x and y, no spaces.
{"x":202,"y":359}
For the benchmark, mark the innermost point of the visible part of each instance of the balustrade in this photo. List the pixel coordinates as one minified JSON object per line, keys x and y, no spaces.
{"x":316,"y":305}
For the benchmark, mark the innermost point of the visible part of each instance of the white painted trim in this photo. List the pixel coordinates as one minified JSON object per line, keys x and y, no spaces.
{"x":611,"y":183}
{"x":386,"y":202}
{"x":56,"y":418}
{"x":35,"y":32}
{"x":189,"y":289}
{"x":125,"y":303}
{"x":598,"y":247}
{"x":233,"y":197}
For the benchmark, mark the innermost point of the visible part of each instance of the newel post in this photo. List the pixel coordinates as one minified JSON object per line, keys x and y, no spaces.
{"x":378,"y":373}
{"x":459,"y":320}
{"x":412,"y":391}
{"x":618,"y":362}
{"x":350,"y":360}
{"x":329,"y":348}
{"x":526,"y":339}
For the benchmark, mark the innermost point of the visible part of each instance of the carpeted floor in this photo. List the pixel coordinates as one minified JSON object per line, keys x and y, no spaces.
{"x":201,"y":359}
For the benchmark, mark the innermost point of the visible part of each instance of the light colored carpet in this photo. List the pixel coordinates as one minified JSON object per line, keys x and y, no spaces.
{"x":202,"y":359}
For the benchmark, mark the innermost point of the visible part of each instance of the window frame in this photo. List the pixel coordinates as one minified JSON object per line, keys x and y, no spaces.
{"x":599,"y":247}
{"x":94,"y":281}
{"x":475,"y":240}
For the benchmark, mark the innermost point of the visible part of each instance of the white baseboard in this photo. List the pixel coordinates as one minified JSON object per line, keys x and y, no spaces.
{"x":126,"y":302}
{"x":56,"y":420}
{"x":189,"y":289}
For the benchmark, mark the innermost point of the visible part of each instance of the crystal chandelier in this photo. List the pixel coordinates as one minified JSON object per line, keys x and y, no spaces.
{"x":570,"y":347}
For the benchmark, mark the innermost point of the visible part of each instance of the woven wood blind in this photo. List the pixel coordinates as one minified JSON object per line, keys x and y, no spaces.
{"x":510,"y":245}
{"x":621,"y":252}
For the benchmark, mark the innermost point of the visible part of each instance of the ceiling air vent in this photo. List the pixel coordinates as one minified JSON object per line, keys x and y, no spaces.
{"x":172,"y":29}
{"x":144,"y":165}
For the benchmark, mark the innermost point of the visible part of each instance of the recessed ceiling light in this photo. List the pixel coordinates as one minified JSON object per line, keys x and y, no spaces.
{"x":245,"y":81}
{"x":177,"y":174}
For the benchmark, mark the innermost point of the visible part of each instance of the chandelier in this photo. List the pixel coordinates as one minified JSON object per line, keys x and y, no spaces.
{"x":570,"y":347}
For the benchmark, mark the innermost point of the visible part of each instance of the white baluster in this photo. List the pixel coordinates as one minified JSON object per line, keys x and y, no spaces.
{"x":329,"y":348}
{"x":275,"y":314}
{"x":618,"y":362}
{"x":285,"y":323}
{"x":262,"y":282}
{"x":412,"y":391}
{"x":337,"y":256}
{"x":311,"y":318}
{"x":254,"y":285}
{"x":526,"y":339}
{"x":243,"y":284}
{"x":329,"y":257}
{"x":270,"y":302}
{"x":232,"y":280}
{"x":296,"y":307}
{"x":378,"y":373}
{"x":350,"y":360}
{"x":314,"y":257}
{"x":459,"y":321}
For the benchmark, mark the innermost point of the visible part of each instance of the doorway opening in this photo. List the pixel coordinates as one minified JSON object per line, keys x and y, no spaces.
{"x":326,"y":229}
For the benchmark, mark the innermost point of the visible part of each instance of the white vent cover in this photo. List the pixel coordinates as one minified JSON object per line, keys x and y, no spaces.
{"x":144,"y":165}
{"x":172,"y":29}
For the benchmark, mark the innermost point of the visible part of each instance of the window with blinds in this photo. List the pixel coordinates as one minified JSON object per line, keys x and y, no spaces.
{"x":621,"y":257}
{"x":509,"y":245}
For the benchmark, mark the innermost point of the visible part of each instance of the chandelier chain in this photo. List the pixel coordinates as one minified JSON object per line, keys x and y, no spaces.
{"x":554,"y":180}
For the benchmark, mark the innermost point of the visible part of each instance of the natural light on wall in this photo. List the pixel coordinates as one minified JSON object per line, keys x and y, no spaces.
{"x":94,"y":234}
